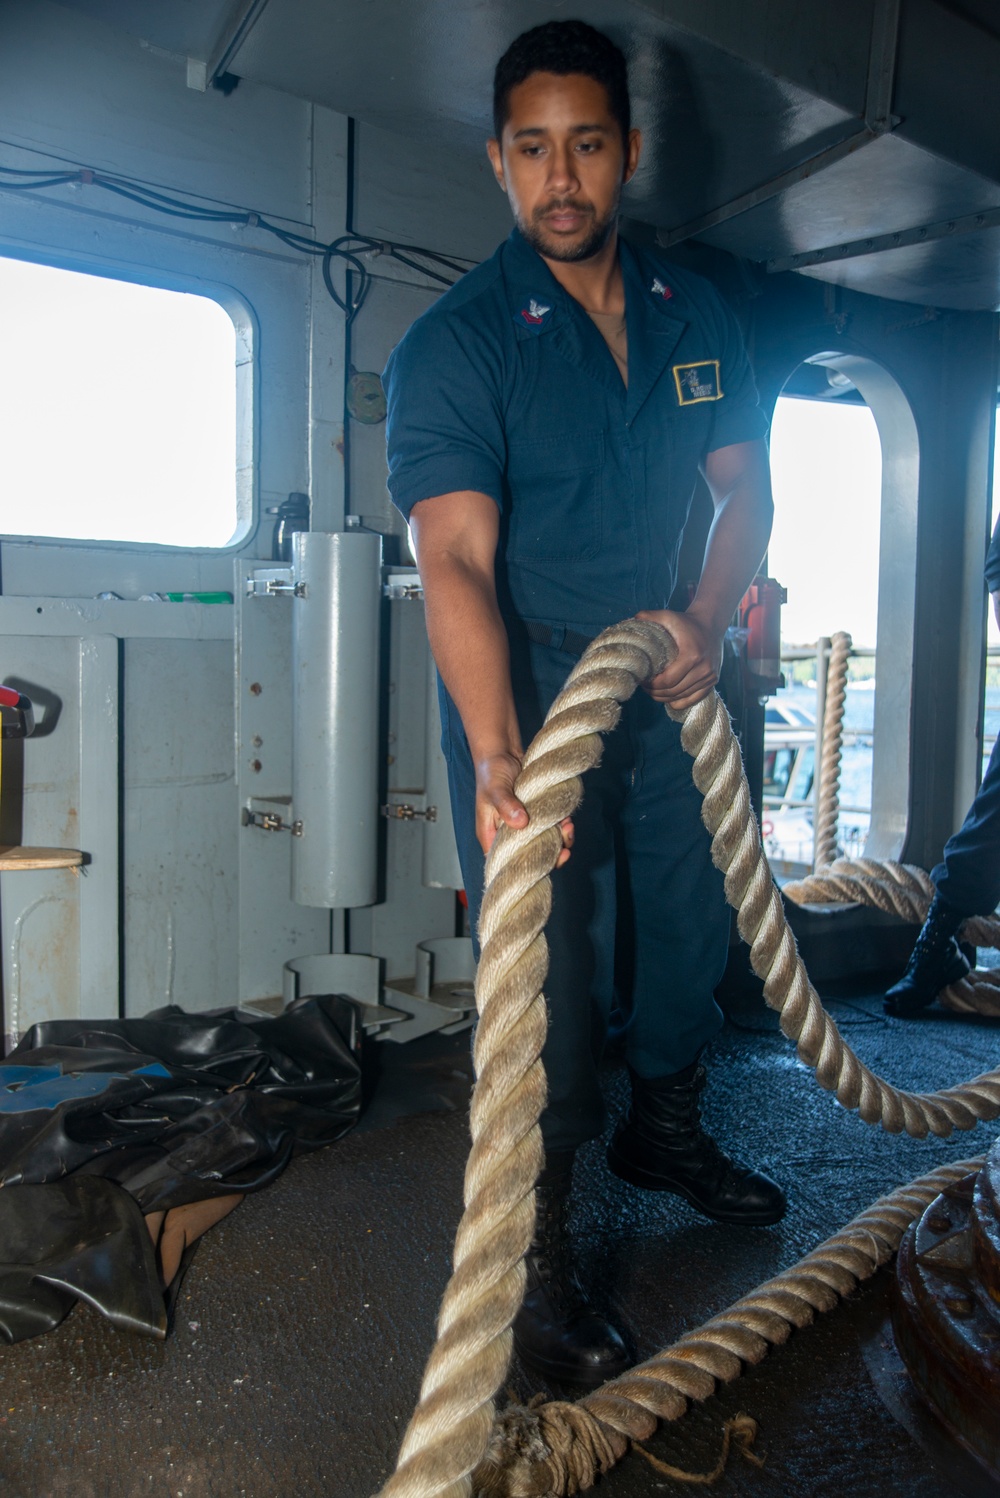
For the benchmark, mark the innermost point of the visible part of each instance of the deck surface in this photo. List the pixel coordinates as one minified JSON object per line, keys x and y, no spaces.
{"x":303,"y":1322}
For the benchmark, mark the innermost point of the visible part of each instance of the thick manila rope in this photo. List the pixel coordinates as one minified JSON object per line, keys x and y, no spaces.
{"x":906,"y":891}
{"x":828,"y":800}
{"x":899,"y":889}
{"x":556,"y":1448}
{"x":450,"y":1428}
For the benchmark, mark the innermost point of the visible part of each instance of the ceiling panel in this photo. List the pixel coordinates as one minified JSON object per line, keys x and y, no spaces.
{"x":428,"y":67}
{"x":721,"y":116}
{"x":710,"y":120}
{"x":962,"y":273}
{"x":887,"y":185}
{"x":188,"y":27}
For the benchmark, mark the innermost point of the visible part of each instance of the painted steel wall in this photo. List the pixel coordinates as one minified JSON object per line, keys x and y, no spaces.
{"x":174,"y":720}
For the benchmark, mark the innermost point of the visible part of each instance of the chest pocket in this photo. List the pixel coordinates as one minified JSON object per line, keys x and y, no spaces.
{"x":555,"y":498}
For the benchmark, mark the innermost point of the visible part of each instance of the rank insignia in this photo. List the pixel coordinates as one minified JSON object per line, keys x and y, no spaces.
{"x":697,"y":382}
{"x":534,"y":315}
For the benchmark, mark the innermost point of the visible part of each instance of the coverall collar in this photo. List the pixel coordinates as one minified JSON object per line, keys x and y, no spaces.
{"x":540,"y":307}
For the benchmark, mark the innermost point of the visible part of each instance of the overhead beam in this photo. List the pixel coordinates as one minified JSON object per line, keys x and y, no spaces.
{"x":882,"y":56}
{"x":878,"y":120}
{"x":242,"y":18}
{"x":877,"y":244}
{"x":829,"y":156}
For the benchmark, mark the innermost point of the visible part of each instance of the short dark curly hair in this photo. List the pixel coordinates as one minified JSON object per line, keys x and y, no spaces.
{"x":563,"y":47}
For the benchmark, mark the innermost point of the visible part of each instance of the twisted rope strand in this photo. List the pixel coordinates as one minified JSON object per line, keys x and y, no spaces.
{"x":707,"y":735}
{"x":450,"y":1429}
{"x":828,"y":800}
{"x":547,"y":1450}
{"x":903,"y":890}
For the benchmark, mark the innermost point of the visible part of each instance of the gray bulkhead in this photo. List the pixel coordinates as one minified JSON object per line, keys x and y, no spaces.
{"x":156,"y":710}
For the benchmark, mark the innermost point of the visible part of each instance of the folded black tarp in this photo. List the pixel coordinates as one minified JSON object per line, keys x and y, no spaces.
{"x":113,"y":1131}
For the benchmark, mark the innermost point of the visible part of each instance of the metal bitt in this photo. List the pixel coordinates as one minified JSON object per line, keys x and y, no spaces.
{"x":335,"y":747}
{"x":946,"y":1310}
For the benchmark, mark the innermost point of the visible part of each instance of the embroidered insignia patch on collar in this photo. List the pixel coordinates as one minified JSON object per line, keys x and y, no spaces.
{"x":698,"y":382}
{"x":660,"y":288}
{"x":535,"y":313}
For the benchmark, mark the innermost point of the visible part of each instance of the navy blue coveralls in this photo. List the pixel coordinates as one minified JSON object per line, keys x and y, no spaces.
{"x":506,"y":387}
{"x":968,"y":877}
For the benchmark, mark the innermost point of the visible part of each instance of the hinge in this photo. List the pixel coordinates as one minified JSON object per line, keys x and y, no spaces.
{"x":269,"y":821}
{"x":402,"y":583}
{"x":272,"y":582}
{"x":403,"y":812}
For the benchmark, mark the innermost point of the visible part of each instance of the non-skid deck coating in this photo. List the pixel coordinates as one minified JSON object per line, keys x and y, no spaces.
{"x":303,"y":1323}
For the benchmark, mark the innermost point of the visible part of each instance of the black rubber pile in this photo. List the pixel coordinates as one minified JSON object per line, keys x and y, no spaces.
{"x":112,"y":1130}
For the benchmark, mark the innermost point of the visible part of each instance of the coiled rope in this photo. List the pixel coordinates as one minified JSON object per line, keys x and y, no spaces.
{"x":906,"y":891}
{"x":451,"y":1427}
{"x":828,"y":800}
{"x":903,"y":890}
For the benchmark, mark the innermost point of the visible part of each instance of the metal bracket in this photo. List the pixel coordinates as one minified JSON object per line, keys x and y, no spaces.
{"x":402,"y":583}
{"x":273,"y":582}
{"x":395,"y":587}
{"x":404,"y":812}
{"x":353,"y":977}
{"x":269,"y":821}
{"x":441,"y":995}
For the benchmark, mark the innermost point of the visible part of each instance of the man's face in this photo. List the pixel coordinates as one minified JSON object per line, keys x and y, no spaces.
{"x":562,"y":163}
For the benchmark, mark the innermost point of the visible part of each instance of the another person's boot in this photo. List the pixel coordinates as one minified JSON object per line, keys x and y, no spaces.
{"x":557,"y":1332}
{"x":936,"y":961}
{"x":660,"y":1145}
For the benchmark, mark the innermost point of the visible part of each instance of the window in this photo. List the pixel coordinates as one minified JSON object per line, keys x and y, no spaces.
{"x":118,"y":411}
{"x":777,"y":769}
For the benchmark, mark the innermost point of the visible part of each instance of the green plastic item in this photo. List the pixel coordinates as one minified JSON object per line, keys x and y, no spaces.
{"x":200,"y":597}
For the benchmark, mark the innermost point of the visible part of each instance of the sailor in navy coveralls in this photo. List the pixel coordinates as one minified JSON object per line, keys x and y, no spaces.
{"x":966,"y":881}
{"x":547,"y":421}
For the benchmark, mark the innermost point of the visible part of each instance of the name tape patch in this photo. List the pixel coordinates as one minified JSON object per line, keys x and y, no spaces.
{"x":698,"y":382}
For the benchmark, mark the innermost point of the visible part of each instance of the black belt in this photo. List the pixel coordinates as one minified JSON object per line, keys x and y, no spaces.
{"x":558,"y":636}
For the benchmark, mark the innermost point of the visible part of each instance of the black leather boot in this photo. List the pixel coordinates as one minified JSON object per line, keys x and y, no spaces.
{"x":936,"y":961}
{"x":660,"y":1145}
{"x":557,"y":1332}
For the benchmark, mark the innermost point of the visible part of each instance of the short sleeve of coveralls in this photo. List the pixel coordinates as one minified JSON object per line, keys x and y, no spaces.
{"x":737,"y":417}
{"x":444,"y":428}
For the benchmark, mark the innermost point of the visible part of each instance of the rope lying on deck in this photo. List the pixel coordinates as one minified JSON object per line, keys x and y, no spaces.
{"x":451,"y":1427}
{"x":903,"y":890}
{"x":557,"y":1448}
{"x":897,"y":888}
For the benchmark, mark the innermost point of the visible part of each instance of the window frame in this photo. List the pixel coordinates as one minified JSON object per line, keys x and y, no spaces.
{"x":247,"y":334}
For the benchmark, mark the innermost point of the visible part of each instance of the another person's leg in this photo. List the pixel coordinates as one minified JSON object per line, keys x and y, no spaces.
{"x":968,"y":877}
{"x":967,"y":881}
{"x":681,"y":941}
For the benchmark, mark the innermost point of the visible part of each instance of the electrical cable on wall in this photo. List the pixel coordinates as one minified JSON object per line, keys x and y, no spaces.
{"x":347,"y":248}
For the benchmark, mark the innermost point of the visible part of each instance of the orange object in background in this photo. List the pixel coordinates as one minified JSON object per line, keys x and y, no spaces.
{"x":760,"y":616}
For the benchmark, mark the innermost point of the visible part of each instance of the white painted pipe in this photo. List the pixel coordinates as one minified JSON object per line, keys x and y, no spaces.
{"x":335,"y":748}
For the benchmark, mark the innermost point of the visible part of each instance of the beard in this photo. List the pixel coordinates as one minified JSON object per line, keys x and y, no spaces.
{"x":553,"y":247}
